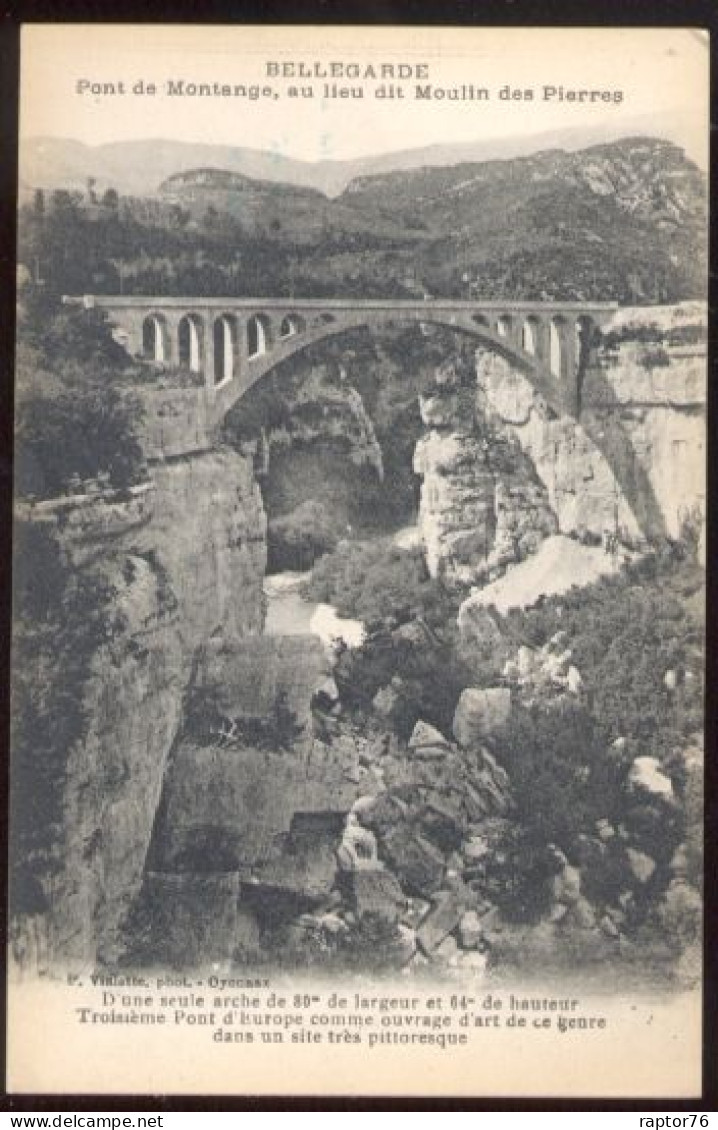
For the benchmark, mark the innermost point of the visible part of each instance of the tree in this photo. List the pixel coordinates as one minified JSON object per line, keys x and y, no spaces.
{"x":111,"y":199}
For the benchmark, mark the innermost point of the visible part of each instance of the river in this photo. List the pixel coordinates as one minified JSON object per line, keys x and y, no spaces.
{"x":290,"y":614}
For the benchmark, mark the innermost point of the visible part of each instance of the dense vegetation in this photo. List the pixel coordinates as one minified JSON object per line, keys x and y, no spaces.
{"x":625,"y":633}
{"x":566,"y":758}
{"x":376,"y":580}
{"x":74,"y":421}
{"x":296,"y":540}
{"x":622,"y":222}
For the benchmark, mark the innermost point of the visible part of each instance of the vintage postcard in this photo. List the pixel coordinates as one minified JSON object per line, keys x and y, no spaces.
{"x":358,"y":634}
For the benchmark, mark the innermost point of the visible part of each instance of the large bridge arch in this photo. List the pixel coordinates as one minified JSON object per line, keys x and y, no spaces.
{"x":551,"y":353}
{"x":557,"y":392}
{"x":558,"y":395}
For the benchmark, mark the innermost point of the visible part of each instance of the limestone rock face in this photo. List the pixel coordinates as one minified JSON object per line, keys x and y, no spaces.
{"x":650,"y":386}
{"x":171,"y":576}
{"x":482,"y":506}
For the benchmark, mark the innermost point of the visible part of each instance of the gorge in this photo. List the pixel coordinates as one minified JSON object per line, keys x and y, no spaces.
{"x":491,"y":760}
{"x":224,"y":791}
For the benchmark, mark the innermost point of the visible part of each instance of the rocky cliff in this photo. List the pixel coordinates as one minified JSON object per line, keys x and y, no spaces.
{"x":645,"y":385}
{"x":482,"y":505}
{"x":501,"y":471}
{"x":141,"y":582}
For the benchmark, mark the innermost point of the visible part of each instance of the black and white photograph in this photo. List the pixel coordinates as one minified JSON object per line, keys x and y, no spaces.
{"x":359,"y":561}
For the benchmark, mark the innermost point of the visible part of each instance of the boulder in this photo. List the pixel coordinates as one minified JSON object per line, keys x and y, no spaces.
{"x":605,"y":830}
{"x":387,"y":699}
{"x":358,"y":850}
{"x":376,"y":893}
{"x":426,"y":736}
{"x":640,"y":864}
{"x":566,"y":886}
{"x":443,"y":917}
{"x":574,"y":682}
{"x":474,"y":849}
{"x":418,"y":864}
{"x":609,"y":927}
{"x":480,"y":714}
{"x":679,"y":865}
{"x":645,"y":776}
{"x":470,"y":932}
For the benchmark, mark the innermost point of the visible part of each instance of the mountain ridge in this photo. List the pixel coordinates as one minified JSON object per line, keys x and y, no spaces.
{"x":139,"y":167}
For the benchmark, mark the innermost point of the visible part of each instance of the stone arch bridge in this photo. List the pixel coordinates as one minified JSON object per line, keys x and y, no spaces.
{"x":231,"y":343}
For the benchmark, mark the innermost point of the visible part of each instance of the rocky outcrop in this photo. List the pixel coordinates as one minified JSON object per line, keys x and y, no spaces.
{"x":157,"y":575}
{"x":482,"y":506}
{"x":646,"y":383}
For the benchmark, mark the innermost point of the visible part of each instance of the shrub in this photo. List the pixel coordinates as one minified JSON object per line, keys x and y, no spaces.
{"x":74,"y":420}
{"x":376,"y":580}
{"x":561,"y":778}
{"x":76,"y":434}
{"x":625,"y":632}
{"x":296,"y":540}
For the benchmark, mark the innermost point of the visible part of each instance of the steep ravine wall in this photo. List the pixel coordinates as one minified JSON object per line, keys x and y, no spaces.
{"x":500,"y":471}
{"x":647,"y":384}
{"x":482,"y":506}
{"x":184,"y":556}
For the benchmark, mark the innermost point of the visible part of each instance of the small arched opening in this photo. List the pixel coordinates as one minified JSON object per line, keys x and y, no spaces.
{"x":258,"y":336}
{"x":584,"y":330}
{"x":529,"y":336}
{"x":155,"y":346}
{"x":225,"y":342}
{"x":503,"y":325}
{"x":291,"y":325}
{"x":584,"y":334}
{"x":556,"y":346}
{"x":189,"y":342}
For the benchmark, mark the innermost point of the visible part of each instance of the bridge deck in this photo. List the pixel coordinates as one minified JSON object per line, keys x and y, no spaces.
{"x":295,"y":303}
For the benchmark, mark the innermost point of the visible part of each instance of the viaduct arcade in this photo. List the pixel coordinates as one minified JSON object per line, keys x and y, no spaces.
{"x":232,"y":342}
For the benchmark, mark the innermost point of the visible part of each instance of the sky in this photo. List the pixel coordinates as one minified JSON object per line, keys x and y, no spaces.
{"x":661,"y":74}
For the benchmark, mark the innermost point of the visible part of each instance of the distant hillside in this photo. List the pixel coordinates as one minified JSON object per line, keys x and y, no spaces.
{"x":137,"y":168}
{"x":624,"y":220}
{"x":628,"y":215}
{"x":281,"y":210}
